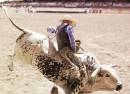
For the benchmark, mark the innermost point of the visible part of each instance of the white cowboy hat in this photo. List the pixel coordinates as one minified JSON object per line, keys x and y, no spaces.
{"x":69,"y":18}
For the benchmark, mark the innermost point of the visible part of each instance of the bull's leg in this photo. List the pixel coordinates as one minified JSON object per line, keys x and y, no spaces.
{"x":54,"y":90}
{"x":75,"y":85}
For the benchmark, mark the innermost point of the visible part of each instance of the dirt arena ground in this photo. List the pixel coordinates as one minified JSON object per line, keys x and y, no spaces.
{"x":105,"y":35}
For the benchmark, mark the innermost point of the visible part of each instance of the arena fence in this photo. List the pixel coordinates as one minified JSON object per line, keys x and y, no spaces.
{"x":70,"y":4}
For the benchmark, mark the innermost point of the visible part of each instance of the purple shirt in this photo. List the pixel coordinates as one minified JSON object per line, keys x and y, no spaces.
{"x":69,"y":30}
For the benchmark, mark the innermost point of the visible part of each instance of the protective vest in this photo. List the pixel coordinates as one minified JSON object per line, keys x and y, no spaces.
{"x":62,"y":37}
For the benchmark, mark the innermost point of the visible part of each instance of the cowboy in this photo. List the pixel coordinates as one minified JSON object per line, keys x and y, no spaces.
{"x":65,"y":38}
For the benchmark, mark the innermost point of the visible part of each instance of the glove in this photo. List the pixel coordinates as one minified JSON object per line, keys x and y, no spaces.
{"x":51,"y":29}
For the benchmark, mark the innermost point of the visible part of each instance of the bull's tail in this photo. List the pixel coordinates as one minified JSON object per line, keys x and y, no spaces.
{"x":18,"y":27}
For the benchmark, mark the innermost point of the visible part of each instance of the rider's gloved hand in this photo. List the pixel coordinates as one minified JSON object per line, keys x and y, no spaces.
{"x":51,"y":29}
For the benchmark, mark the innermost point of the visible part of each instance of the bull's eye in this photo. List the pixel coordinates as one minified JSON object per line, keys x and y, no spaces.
{"x":107,"y":75}
{"x":100,"y":74}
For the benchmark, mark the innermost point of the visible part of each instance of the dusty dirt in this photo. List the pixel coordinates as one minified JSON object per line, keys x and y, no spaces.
{"x":105,"y":35}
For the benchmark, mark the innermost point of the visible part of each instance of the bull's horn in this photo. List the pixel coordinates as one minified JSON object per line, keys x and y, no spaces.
{"x":96,"y":71}
{"x":93,"y":75}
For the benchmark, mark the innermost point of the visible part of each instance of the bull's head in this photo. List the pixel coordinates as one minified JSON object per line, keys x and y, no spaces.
{"x":106,"y":80}
{"x":103,"y":78}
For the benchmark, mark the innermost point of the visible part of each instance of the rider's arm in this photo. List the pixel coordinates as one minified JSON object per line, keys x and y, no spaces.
{"x":70,"y":32}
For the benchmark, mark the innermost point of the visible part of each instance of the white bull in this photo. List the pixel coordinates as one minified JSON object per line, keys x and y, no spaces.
{"x":38,"y":50}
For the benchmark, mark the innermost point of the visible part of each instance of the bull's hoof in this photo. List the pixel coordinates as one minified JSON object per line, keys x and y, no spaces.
{"x":54,"y":90}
